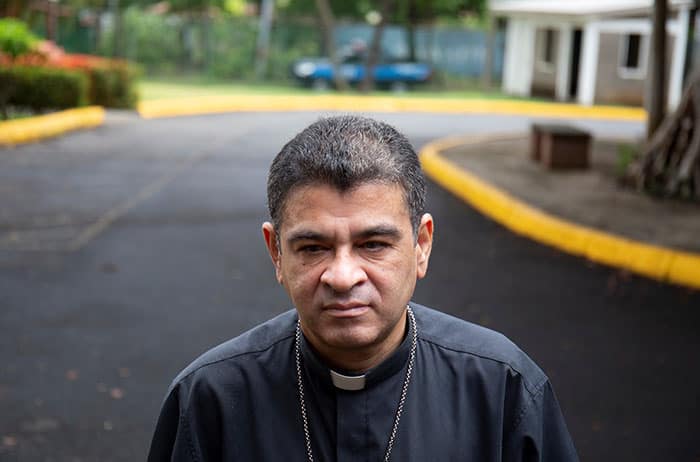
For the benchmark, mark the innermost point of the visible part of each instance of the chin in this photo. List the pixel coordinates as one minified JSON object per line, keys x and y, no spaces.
{"x":351,"y":338}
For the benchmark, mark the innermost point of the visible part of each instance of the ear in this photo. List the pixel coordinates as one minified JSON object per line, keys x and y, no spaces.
{"x":272,"y":243}
{"x":424,"y":244}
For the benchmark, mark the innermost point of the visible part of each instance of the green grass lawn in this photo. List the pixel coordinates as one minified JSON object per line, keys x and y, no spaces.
{"x":17,"y":113}
{"x":184,"y":87}
{"x":160,"y":88}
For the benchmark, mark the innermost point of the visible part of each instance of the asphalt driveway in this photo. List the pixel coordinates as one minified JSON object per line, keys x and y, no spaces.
{"x":127,"y":250}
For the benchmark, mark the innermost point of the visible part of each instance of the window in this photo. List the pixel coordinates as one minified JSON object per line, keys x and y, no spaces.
{"x":548,"y":47}
{"x":631,"y":51}
{"x":632,"y":56}
{"x":546,"y":50}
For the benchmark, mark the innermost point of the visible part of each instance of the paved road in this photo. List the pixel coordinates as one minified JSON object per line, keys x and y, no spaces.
{"x":127,"y":250}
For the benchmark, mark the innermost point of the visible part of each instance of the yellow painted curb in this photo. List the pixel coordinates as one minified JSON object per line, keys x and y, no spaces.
{"x":38,"y":128}
{"x":218,"y":104}
{"x":652,"y":261}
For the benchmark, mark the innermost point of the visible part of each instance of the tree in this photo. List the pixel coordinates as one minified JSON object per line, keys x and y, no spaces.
{"x":328,"y":26}
{"x":657,"y":76}
{"x":375,"y":47}
{"x":15,"y":38}
{"x":670,"y":160}
{"x":429,"y":11}
{"x":410,"y":12}
{"x":12,"y":8}
{"x":407,"y":12}
{"x":262,"y":47}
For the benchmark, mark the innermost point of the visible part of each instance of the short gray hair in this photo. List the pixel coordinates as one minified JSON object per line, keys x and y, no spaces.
{"x":345,"y":152}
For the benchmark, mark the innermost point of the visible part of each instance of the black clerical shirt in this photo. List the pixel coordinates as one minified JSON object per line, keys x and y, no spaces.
{"x":473,"y":396}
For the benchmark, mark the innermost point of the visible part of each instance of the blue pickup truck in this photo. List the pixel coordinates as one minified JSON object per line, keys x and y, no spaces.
{"x":398,"y":76}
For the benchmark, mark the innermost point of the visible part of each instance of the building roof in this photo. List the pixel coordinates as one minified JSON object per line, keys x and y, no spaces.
{"x":578,"y":7}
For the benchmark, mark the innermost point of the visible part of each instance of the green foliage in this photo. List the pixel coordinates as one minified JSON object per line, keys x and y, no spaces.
{"x":42,"y":88}
{"x":223,"y":46}
{"x":425,"y":10}
{"x":114,"y":85}
{"x":455,"y":7}
{"x":341,"y":8}
{"x":626,"y":155}
{"x":195,"y":5}
{"x":152,"y":40}
{"x":15,"y":37}
{"x":235,"y":7}
{"x":232,"y":48}
{"x":291,"y":42}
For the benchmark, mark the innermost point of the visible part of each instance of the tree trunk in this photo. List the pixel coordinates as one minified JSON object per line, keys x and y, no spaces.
{"x":657,"y":76}
{"x":690,"y":44}
{"x":412,"y":19}
{"x":670,"y":162}
{"x":262,"y":49}
{"x":486,"y":74}
{"x":367,"y":83}
{"x":117,"y":29}
{"x":328,"y":28}
{"x":12,"y":8}
{"x":97,"y":32}
{"x":52,"y":21}
{"x":205,"y":21}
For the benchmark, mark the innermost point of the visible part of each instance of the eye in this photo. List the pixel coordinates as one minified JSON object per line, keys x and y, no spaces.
{"x":375,"y":246}
{"x":311,"y":249}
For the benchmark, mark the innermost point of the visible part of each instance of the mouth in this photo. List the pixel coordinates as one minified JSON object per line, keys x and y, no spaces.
{"x":346,"y":310}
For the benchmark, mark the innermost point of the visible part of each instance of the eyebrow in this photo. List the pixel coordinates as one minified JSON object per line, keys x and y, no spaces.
{"x":305,"y":235}
{"x":374,"y":231}
{"x":380,"y":230}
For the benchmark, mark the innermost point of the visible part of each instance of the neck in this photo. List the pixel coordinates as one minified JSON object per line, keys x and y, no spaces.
{"x":360,"y":360}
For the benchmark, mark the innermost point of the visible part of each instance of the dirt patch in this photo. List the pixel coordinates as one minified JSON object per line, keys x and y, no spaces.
{"x":592,"y":197}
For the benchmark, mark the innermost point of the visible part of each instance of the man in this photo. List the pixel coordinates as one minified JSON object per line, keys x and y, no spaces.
{"x":357,"y":372}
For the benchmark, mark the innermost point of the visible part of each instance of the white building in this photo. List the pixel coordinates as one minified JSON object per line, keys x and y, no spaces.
{"x":588,"y":51}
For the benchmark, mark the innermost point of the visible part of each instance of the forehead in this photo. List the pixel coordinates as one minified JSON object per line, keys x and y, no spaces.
{"x":365,"y":204}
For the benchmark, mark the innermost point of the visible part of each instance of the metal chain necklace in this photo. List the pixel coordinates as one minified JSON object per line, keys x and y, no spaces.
{"x":402,"y":399}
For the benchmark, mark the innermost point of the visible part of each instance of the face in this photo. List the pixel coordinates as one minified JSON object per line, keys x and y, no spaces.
{"x":349,"y":261}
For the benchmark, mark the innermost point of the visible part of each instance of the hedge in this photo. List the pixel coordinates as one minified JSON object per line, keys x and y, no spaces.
{"x":41,"y":76}
{"x":42,"y":88}
{"x":113,"y":85}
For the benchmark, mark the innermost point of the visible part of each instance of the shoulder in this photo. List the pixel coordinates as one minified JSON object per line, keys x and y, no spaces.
{"x":257,"y":340}
{"x":463,"y":338}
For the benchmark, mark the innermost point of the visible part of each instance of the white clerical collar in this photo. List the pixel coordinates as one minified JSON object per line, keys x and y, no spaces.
{"x":348,"y":382}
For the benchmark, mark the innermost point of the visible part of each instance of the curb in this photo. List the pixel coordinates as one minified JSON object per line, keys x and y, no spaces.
{"x":660,"y":263}
{"x":38,"y":128}
{"x":260,"y":103}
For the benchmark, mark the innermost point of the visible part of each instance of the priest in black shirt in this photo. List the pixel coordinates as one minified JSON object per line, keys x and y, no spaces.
{"x":356,"y":371}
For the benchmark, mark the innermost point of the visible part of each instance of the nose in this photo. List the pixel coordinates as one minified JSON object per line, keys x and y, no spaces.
{"x":343,"y":272}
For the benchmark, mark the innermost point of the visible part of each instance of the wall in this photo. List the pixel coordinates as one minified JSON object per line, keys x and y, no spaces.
{"x":611,"y":87}
{"x":544,"y":77}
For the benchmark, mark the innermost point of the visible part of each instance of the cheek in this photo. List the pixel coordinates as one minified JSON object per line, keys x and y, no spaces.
{"x":301,"y":281}
{"x":396,"y":276}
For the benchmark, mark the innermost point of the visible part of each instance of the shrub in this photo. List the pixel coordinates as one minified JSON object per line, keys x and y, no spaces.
{"x":112,"y":83}
{"x":42,"y":88}
{"x":626,"y":167}
{"x":154,"y":41}
{"x":232,"y":48}
{"x":15,"y":38}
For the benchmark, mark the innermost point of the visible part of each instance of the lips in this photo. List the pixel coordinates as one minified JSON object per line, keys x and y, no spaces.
{"x":346,"y":310}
